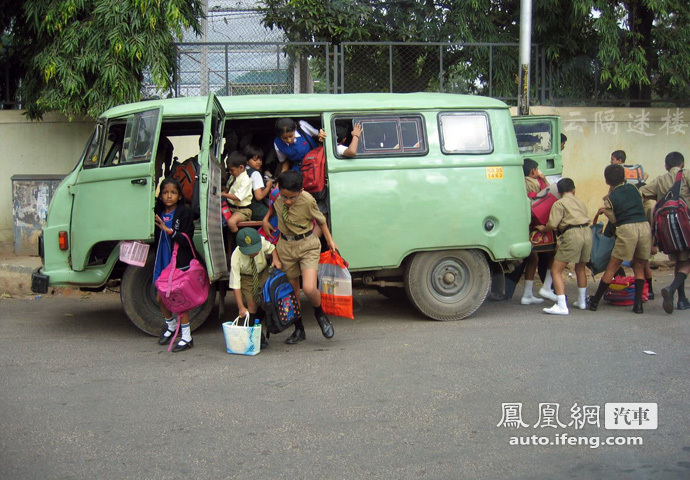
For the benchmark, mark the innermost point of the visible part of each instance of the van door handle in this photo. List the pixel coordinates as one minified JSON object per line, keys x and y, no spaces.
{"x":139,"y":181}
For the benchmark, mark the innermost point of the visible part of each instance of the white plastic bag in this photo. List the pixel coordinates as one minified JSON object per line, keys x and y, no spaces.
{"x":242,"y":339}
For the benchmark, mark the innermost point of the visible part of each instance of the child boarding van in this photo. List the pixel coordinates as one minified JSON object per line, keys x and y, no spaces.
{"x":431,"y":205}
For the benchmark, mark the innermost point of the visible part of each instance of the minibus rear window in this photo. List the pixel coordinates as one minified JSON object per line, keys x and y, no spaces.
{"x":465,"y":132}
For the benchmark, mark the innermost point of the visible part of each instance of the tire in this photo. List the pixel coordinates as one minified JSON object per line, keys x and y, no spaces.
{"x":138,"y":297}
{"x":448,"y":285}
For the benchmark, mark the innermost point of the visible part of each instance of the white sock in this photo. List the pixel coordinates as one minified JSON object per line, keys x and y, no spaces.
{"x":548,"y":280}
{"x":172,"y":326}
{"x":186,"y":332}
{"x":561,"y":301}
{"x":528,"y":289}
{"x":582,"y":293}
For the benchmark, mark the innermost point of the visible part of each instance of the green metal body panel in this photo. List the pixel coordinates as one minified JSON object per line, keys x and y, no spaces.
{"x":382,"y":209}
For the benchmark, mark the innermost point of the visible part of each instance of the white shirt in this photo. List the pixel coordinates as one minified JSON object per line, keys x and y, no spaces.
{"x":242,"y":189}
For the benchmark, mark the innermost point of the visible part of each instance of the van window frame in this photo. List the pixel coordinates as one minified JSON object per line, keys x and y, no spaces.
{"x":96,"y":137}
{"x":466,"y":113}
{"x":399,"y":118}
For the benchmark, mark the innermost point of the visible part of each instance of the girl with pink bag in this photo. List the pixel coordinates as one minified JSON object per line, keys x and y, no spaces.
{"x":175,"y":225}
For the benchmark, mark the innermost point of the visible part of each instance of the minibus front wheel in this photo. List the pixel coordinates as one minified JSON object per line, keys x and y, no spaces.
{"x":448,"y":285}
{"x":138,"y":297}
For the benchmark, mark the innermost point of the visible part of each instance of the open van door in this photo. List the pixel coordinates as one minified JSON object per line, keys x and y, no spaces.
{"x":113,"y":195}
{"x":210,"y":176}
{"x":539,"y":138}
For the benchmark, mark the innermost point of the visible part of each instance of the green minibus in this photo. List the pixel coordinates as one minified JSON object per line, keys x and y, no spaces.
{"x":433,"y":203}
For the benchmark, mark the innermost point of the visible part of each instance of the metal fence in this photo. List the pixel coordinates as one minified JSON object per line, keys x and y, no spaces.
{"x":242,"y":68}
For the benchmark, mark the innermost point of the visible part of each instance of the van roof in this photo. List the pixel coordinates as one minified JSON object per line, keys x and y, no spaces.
{"x":289,"y":104}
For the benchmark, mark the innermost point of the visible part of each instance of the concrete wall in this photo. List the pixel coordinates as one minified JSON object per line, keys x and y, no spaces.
{"x":51,"y":146}
{"x":645,"y":134}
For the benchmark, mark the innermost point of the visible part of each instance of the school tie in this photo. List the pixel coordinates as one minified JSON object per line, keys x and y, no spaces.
{"x":256,"y":288}
{"x":290,"y":222}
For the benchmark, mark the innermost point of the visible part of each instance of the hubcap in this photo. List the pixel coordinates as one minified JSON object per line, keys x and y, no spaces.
{"x":448,"y":278}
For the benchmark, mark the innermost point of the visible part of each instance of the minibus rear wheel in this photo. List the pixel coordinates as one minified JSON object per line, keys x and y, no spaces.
{"x":448,"y":285}
{"x":138,"y":297}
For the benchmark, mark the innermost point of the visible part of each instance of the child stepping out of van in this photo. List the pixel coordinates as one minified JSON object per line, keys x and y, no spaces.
{"x":298,"y":249}
{"x":569,"y":219}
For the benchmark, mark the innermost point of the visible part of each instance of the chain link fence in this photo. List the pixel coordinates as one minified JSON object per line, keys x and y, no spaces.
{"x":242,"y":68}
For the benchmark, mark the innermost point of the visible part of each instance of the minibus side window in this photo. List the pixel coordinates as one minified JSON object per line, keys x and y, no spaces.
{"x":383,"y":136}
{"x":90,"y":155}
{"x":140,"y":135}
{"x":465,"y":132}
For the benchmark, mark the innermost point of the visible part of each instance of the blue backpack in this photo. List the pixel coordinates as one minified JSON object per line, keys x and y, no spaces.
{"x":279,"y":302}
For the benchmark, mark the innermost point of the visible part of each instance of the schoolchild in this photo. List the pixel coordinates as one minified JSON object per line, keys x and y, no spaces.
{"x":655,"y":190}
{"x":249,"y":271}
{"x":173,"y":218}
{"x":260,"y":189}
{"x":343,"y":148}
{"x":619,"y":157}
{"x":623,"y":207}
{"x":298,"y":249}
{"x":292,"y":143}
{"x":570,"y":220}
{"x":535,"y":182}
{"x":239,"y":194}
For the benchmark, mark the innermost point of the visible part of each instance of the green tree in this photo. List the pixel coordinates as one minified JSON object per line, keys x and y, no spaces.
{"x":636,"y":49}
{"x":83,"y":56}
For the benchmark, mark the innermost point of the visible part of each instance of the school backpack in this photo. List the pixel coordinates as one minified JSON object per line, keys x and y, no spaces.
{"x":187,"y":173}
{"x":279,"y":302}
{"x":621,"y":291}
{"x":314,"y":172}
{"x":671,"y":225}
{"x":634,"y":174}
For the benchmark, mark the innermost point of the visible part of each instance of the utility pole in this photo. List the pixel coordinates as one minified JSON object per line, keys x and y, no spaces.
{"x":203,"y":67}
{"x":525,"y":47}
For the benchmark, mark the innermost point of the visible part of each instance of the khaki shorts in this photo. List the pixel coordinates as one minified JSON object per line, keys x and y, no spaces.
{"x":245,"y":212}
{"x":246,"y":284}
{"x":299,"y":255}
{"x":633,"y":240}
{"x":575,"y":245}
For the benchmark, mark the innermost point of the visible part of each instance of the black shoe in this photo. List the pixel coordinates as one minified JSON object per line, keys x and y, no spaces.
{"x":592,"y":304}
{"x":637,"y":308}
{"x":496,"y":297}
{"x":325,"y":324}
{"x":163,"y":339}
{"x":650,"y":296}
{"x":667,"y":302}
{"x":182,"y":346}
{"x":264,"y":342}
{"x":683,"y":304}
{"x":297,"y":336}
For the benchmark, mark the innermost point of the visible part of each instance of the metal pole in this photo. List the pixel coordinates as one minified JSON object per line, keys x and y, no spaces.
{"x":203,"y":87}
{"x":525,"y":43}
{"x":440,"y":68}
{"x":390,"y":67}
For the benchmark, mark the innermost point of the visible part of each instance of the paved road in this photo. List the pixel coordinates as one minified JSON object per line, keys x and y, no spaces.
{"x":85,"y":395}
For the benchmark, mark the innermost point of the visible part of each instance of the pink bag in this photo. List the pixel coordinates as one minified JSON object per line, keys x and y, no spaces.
{"x":183,"y":290}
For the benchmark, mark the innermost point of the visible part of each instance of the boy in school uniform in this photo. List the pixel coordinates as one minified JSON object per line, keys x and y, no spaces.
{"x":535,"y":182}
{"x":569,"y":219}
{"x":655,"y":190}
{"x":249,"y":271}
{"x":298,"y":249}
{"x":623,"y":206}
{"x":239,"y":195}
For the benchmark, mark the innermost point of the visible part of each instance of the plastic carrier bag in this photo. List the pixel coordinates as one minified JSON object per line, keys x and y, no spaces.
{"x":134,"y":253}
{"x":335,"y":285}
{"x":242,"y":339}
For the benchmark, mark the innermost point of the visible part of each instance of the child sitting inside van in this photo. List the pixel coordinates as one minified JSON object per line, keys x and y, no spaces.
{"x":261,"y":189}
